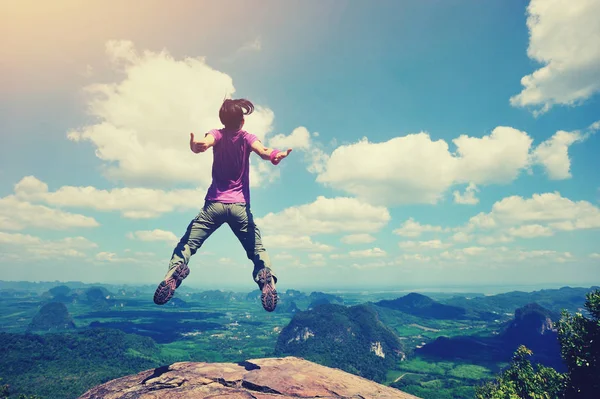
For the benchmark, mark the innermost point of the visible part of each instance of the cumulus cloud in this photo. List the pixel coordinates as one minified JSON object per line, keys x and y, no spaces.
{"x":495,"y":239}
{"x":298,"y":139}
{"x":553,"y":154}
{"x":301,"y":139}
{"x":564,"y":36}
{"x":595,"y":255}
{"x":461,"y":236}
{"x":468,"y":198}
{"x":530,"y":231}
{"x":153,"y":235}
{"x":539,"y":216}
{"x":411,"y":228}
{"x":416,"y":169}
{"x":513,"y":217}
{"x":551,"y":208}
{"x":144,"y":120}
{"x":326,"y":215}
{"x":357,"y":239}
{"x":28,"y":247}
{"x":18,"y":214}
{"x":133,"y":203}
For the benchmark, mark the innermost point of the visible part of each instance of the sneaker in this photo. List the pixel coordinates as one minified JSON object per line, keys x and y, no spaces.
{"x":266,"y":283}
{"x":172,"y":281}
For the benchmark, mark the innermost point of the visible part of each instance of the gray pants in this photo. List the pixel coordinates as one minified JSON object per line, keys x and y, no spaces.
{"x":211,"y":217}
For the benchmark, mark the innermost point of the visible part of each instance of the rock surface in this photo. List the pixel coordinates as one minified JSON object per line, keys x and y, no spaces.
{"x":272,"y":378}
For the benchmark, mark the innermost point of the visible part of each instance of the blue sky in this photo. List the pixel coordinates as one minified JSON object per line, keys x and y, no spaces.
{"x":435,"y":143}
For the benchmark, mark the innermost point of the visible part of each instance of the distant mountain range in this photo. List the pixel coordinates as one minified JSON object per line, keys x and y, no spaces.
{"x":571,"y":299}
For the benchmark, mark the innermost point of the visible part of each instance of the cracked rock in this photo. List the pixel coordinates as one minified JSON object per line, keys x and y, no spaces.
{"x":271,"y":378}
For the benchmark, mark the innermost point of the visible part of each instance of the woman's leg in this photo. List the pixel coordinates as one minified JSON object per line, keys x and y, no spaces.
{"x":242,"y":224}
{"x":210,"y":218}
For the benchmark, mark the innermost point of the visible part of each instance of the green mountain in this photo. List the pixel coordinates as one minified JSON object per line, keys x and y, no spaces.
{"x":423,"y":306}
{"x":532,"y":326}
{"x":60,"y":293}
{"x":350,"y":338}
{"x":52,"y":316}
{"x":66,"y":365}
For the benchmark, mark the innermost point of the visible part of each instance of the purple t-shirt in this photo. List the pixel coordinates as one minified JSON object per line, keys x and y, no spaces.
{"x":231,"y":166}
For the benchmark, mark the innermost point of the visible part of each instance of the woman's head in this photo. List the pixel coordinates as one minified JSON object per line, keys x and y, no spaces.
{"x":232,"y":112}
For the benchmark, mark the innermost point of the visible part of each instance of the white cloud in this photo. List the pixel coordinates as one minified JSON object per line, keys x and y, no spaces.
{"x":497,"y":158}
{"x":357,"y":239}
{"x":326,"y":215}
{"x":106,"y":256}
{"x":133,"y":203}
{"x":553,"y":154}
{"x":547,"y":207}
{"x":384,"y":173}
{"x":368,"y":253}
{"x":300,"y":139}
{"x":16,"y":214}
{"x":482,"y":220}
{"x":282,"y":241}
{"x":461,"y":236}
{"x":153,"y":235}
{"x":491,"y":240}
{"x":564,"y":36}
{"x":530,"y":231}
{"x":144,"y":121}
{"x":415,"y":257}
{"x":423,"y":245}
{"x":410,"y":228}
{"x":595,"y":255}
{"x":415,"y":169}
{"x":461,"y":254}
{"x":111,"y":257}
{"x":29,"y":247}
{"x":542,"y":215}
{"x":468,"y":198}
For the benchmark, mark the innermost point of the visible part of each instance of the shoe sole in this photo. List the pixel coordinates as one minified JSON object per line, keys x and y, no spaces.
{"x":165,"y":290}
{"x":269,"y":293}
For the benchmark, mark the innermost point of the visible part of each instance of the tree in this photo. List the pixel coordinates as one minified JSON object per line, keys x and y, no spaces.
{"x":580,"y":349}
{"x":523,"y":381}
{"x":579,"y":338}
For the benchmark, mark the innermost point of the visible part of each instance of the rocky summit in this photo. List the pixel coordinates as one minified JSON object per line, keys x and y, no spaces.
{"x":288,"y":377}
